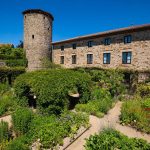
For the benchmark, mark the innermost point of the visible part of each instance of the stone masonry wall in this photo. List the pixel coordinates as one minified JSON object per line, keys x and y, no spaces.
{"x":37,"y":47}
{"x":140,"y":48}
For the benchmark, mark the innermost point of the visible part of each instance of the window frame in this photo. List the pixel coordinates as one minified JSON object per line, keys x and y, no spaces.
{"x":126,"y":57}
{"x":74,"y":46}
{"x":127,"y":39}
{"x":90,"y":59}
{"x":74,"y":59}
{"x":107,"y":41}
{"x":62,"y":61}
{"x":90,"y":44}
{"x":108,"y":55}
{"x":62,"y":48}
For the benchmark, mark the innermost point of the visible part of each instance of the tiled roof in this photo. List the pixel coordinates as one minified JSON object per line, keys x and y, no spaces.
{"x":106,"y":33}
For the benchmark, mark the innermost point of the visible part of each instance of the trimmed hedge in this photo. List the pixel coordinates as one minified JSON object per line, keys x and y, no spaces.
{"x":16,"y":62}
{"x":52,"y":88}
{"x":9,"y":74}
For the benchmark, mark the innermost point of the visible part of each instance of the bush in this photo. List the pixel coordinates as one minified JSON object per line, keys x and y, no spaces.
{"x":8,"y":74}
{"x":51,"y":88}
{"x":3,"y":88}
{"x":101,"y":102}
{"x":4,"y":131}
{"x":52,"y":130}
{"x":16,"y":62}
{"x":21,"y":120}
{"x":143,"y":90}
{"x":18,"y":144}
{"x":133,"y":113}
{"x":110,"y":139}
{"x":113,"y":80}
{"x":7,"y":103}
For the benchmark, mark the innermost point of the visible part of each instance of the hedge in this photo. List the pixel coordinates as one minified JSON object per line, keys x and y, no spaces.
{"x":52,"y":88}
{"x":9,"y":74}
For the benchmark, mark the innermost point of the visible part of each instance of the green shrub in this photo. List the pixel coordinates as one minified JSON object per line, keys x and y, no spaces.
{"x":3,"y":88}
{"x":16,"y":62}
{"x":133,"y":113}
{"x":52,"y":130}
{"x":143,"y":90}
{"x":18,"y":144}
{"x":4,"y":131}
{"x":21,"y":120}
{"x":99,"y":105}
{"x":7,"y":103}
{"x":8,"y":74}
{"x":110,"y":139}
{"x":109,"y":79}
{"x":52,"y":88}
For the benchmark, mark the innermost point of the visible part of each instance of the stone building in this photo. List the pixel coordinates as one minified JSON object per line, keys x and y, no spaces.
{"x":126,"y":48}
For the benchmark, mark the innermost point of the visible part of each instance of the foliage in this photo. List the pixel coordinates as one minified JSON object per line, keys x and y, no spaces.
{"x":101,"y":102}
{"x":7,"y":73}
{"x":133,"y":113}
{"x":7,"y":52}
{"x":143,"y":90}
{"x":4,"y":131}
{"x":18,"y":144}
{"x":51,"y":88}
{"x":3,"y":88}
{"x":52,"y":130}
{"x":110,"y":139}
{"x":46,"y":63}
{"x":109,"y":79}
{"x":16,"y":62}
{"x":7,"y":103}
{"x":21,"y":120}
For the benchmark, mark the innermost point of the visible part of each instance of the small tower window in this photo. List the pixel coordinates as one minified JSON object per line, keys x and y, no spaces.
{"x":32,"y":36}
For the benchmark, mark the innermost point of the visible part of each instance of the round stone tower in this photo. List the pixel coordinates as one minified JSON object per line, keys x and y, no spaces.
{"x":37,"y":37}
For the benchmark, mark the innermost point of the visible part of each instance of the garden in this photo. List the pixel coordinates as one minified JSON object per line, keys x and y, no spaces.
{"x":48,"y":106}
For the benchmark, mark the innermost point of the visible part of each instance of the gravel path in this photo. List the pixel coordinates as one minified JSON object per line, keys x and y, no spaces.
{"x":109,"y":120}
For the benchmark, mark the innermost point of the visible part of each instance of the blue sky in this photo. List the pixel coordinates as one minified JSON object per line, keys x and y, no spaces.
{"x":73,"y":17}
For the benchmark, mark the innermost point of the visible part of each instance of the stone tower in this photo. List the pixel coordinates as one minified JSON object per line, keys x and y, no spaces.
{"x":37,"y":37}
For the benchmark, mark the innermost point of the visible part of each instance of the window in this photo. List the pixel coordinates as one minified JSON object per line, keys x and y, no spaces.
{"x":126,"y":57}
{"x":90,"y":43}
{"x":61,"y":59}
{"x":107,"y":41}
{"x":89,"y":58}
{"x":32,"y":36}
{"x":106,"y":58}
{"x":127,"y":39}
{"x":74,"y":59}
{"x":62,"y":48}
{"x":74,"y":46}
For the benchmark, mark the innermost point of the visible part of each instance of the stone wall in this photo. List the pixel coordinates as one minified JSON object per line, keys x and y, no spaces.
{"x":140,"y":48}
{"x":37,"y":39}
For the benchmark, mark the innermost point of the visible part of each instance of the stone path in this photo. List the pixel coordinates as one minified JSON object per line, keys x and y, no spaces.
{"x":109,"y":120}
